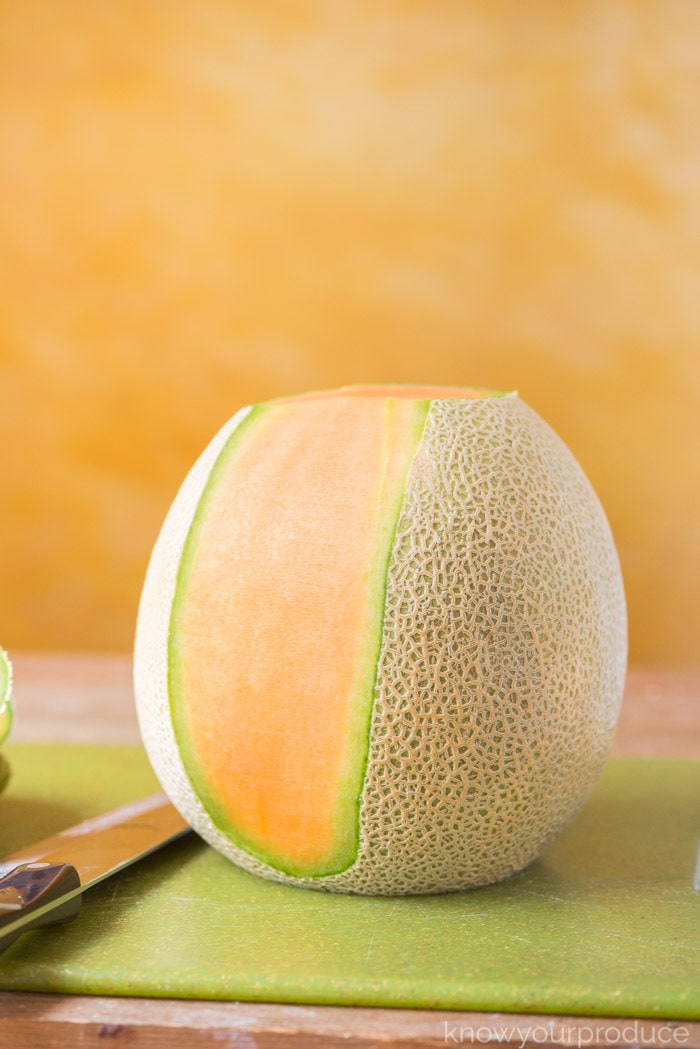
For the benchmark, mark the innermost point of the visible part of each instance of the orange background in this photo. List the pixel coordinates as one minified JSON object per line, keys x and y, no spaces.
{"x":206,"y":203}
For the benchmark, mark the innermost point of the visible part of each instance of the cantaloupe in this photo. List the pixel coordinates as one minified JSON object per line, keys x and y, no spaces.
{"x":381,"y":643}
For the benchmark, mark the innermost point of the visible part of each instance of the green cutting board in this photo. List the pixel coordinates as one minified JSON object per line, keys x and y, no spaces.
{"x":607,"y":922}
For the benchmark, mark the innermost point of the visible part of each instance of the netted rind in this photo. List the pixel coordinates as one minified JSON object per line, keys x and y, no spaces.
{"x":501,"y":667}
{"x":503,"y":655}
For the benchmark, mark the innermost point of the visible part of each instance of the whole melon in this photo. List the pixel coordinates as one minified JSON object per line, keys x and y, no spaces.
{"x":381,"y":643}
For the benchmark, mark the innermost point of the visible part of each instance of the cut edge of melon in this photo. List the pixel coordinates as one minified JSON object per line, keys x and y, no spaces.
{"x":184,"y":570}
{"x":411,"y":413}
{"x":383,"y":560}
{"x":400,"y":391}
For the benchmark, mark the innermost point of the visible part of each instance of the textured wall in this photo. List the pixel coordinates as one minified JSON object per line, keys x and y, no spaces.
{"x":207,"y":203}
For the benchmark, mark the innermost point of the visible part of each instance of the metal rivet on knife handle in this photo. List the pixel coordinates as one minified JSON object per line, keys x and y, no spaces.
{"x":31,"y":887}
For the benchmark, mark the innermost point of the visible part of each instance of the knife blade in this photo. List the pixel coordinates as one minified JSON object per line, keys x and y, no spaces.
{"x":43,"y":883}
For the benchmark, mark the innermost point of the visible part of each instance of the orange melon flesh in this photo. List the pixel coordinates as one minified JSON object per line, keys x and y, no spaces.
{"x":397,"y":391}
{"x":277,"y":622}
{"x":426,"y":392}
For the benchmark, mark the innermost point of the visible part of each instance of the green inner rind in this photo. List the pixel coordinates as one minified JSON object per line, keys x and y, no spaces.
{"x":5,"y":696}
{"x":350,"y":785}
{"x":382,"y":562}
{"x":347,"y":811}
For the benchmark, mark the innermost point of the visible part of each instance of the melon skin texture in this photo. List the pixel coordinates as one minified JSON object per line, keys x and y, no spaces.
{"x":498,"y":667}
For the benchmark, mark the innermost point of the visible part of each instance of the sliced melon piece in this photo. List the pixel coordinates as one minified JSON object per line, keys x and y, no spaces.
{"x":263,"y":554}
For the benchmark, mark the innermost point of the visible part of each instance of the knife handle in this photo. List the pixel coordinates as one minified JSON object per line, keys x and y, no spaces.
{"x":34,"y":887}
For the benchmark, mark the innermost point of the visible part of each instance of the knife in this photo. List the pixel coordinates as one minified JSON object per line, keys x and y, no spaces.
{"x":42,"y":884}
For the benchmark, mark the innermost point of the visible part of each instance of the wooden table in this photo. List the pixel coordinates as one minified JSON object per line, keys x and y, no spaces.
{"x":72,"y":698}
